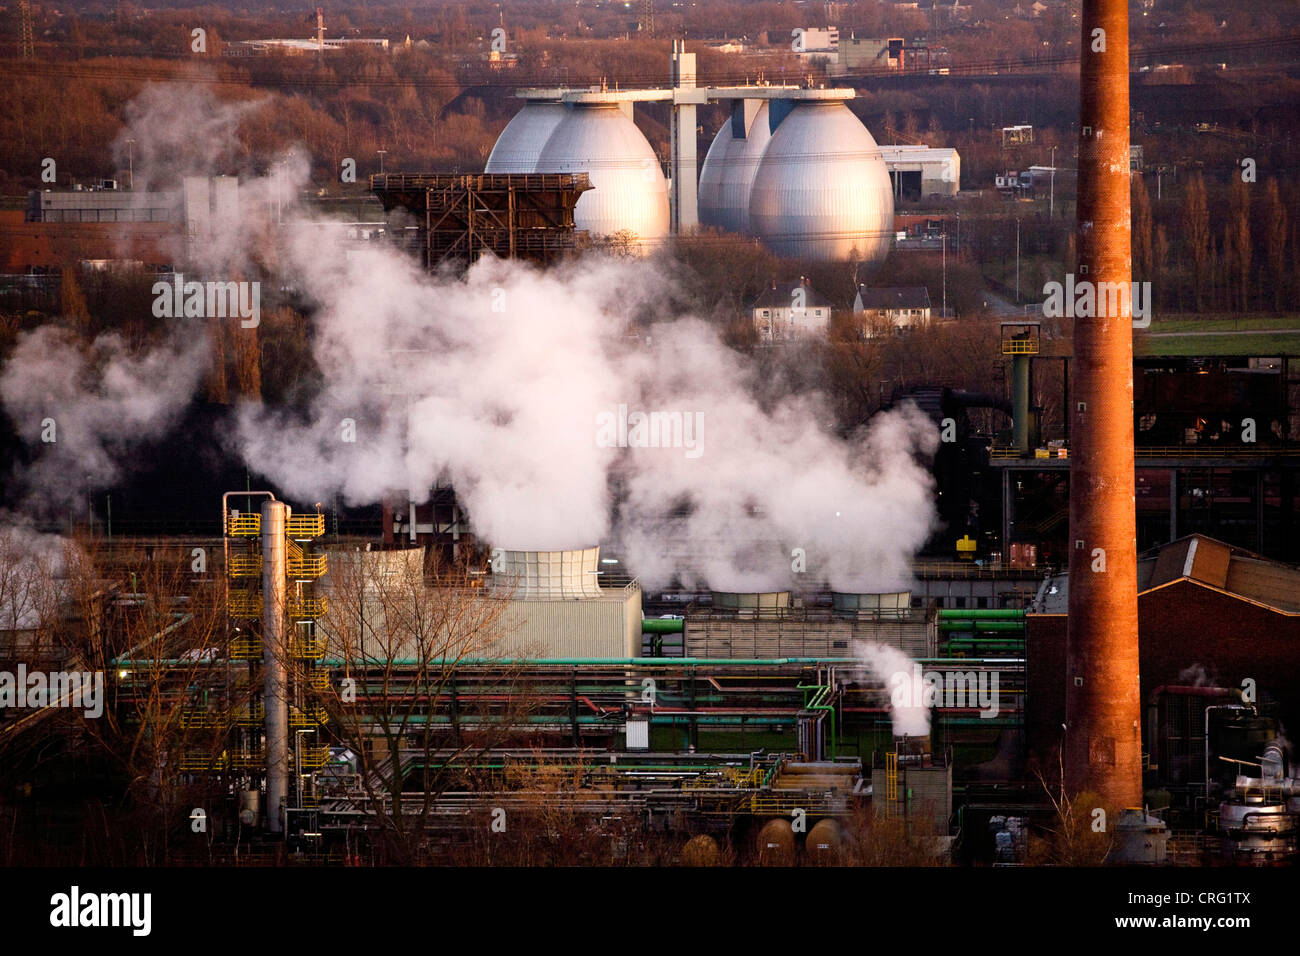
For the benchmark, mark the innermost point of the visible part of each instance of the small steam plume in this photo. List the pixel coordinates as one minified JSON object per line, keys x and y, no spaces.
{"x":86,"y":408}
{"x":1195,"y":675}
{"x":896,"y":671}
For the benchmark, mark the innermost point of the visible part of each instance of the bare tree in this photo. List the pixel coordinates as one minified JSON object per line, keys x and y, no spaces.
{"x":1196,"y":233}
{"x":1275,"y":226}
{"x":401,"y":641}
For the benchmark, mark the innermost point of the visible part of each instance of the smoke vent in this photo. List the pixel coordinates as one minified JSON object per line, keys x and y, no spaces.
{"x":552,"y":575}
{"x":890,"y":604}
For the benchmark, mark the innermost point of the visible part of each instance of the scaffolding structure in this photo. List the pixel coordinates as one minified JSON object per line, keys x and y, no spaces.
{"x":244,"y":753}
{"x":509,"y":215}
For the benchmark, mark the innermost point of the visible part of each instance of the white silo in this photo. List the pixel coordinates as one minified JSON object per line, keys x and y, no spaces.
{"x":731,"y":165}
{"x":629,"y":191}
{"x":822,"y":190}
{"x":521,"y":142}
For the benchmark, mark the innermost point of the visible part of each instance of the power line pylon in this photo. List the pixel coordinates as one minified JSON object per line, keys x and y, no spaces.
{"x":27,"y":45}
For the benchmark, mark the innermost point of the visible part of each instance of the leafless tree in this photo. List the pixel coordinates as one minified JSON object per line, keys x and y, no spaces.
{"x":401,"y":639}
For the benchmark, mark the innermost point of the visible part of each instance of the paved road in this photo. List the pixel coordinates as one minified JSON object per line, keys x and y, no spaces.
{"x":1226,"y":332}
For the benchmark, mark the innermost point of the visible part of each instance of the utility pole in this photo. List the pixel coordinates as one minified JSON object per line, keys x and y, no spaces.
{"x":27,"y":43}
{"x":1051,"y":191}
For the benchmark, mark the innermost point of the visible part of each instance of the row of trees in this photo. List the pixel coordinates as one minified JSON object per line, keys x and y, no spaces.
{"x":1241,"y":258}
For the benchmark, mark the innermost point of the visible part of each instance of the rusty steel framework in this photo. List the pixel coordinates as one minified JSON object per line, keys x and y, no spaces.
{"x":510,"y":215}
{"x":1102,"y":747}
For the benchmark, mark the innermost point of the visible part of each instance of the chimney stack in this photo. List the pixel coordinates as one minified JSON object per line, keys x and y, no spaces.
{"x":1103,"y":735}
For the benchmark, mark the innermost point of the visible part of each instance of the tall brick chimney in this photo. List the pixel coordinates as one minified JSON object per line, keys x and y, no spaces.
{"x":1103,"y":734}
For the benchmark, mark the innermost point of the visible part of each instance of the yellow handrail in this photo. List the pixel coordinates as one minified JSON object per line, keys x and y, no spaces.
{"x":1019,"y":347}
{"x":308,"y":525}
{"x":245,"y":649}
{"x":245,"y":565}
{"x":244,"y":525}
{"x":313,"y":758}
{"x":245,"y":604}
{"x":309,"y":607}
{"x":307,"y":566}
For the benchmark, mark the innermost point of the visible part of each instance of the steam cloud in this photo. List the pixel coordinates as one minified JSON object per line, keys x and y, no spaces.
{"x":88,"y":407}
{"x":911,"y":718}
{"x":494,"y":383}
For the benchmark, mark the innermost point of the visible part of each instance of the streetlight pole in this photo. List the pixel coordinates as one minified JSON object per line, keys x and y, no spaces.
{"x":1051,"y":193}
{"x":944,"y":313}
{"x":130,"y":164}
{"x":381,"y":160}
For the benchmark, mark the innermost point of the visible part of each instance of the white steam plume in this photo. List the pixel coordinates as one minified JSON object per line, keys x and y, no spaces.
{"x":907,"y":703}
{"x":85,"y":408}
{"x":495,"y":382}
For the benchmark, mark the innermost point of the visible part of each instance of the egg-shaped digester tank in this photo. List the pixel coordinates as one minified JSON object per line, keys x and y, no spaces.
{"x":629,"y":191}
{"x":522,"y":141}
{"x":822,"y":190}
{"x":727,"y":176}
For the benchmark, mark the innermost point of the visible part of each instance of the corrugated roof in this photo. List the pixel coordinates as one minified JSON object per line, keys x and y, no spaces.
{"x":1197,"y":557}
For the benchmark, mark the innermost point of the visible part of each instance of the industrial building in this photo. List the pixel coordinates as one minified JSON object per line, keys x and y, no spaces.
{"x":923,"y":171}
{"x":1220,"y":660}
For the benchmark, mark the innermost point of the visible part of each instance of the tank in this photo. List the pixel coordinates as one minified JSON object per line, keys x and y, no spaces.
{"x":1257,"y":829}
{"x":701,"y":850}
{"x":824,"y":842}
{"x":1140,"y":838}
{"x":551,"y":575}
{"x":822,"y":190}
{"x":727,"y":176}
{"x":775,"y":843}
{"x":521,"y":142}
{"x":629,"y":191}
{"x":890,"y":604}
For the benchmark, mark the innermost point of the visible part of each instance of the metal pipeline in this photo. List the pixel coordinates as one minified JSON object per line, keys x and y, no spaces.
{"x":275,"y":651}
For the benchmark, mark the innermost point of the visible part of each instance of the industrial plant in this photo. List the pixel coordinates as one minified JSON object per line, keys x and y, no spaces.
{"x":690,"y":473}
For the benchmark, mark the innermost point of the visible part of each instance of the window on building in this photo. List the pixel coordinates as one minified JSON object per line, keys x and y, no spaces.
{"x":960,"y":602}
{"x":982,"y":603}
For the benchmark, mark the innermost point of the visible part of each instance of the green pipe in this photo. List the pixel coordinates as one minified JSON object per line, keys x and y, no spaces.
{"x":818,"y":702}
{"x":960,"y":614}
{"x":981,"y":625}
{"x":659,"y":626}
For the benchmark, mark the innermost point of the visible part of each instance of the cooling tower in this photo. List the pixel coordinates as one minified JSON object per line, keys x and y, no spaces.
{"x":892,"y":604}
{"x":822,"y":190}
{"x":521,"y":142}
{"x":731,"y":165}
{"x":629,"y":191}
{"x":552,"y":575}
{"x":764,"y":601}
